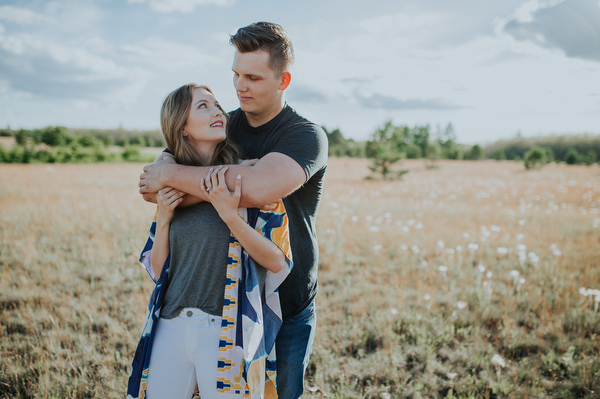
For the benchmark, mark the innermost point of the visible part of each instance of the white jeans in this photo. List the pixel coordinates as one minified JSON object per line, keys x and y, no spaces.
{"x":185,"y":351}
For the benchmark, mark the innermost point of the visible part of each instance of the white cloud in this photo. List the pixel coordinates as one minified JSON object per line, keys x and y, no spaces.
{"x":21,"y":16}
{"x":572,"y":26}
{"x":48,"y":69}
{"x":184,"y":6}
{"x":169,"y":56}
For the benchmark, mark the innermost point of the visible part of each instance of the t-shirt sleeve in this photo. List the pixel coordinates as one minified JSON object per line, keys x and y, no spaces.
{"x":306,"y":144}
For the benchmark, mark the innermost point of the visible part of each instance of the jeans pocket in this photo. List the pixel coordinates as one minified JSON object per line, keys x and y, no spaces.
{"x":306,"y":314}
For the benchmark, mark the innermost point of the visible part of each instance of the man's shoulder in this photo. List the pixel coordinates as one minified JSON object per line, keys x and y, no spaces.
{"x":295,"y":121}
{"x":234,"y":115}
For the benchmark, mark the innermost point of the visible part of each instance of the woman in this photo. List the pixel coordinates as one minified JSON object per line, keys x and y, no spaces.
{"x":205,"y":281}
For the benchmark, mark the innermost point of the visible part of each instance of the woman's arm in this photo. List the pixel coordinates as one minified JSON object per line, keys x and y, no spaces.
{"x":260,"y":248}
{"x":168,"y":198}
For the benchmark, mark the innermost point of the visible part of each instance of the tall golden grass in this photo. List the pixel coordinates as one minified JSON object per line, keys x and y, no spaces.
{"x":463,"y":281}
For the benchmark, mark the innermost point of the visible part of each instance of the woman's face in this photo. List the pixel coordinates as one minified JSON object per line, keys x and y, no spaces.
{"x":205,"y":123}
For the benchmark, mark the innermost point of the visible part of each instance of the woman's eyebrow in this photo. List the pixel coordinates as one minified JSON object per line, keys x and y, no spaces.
{"x":201,"y":101}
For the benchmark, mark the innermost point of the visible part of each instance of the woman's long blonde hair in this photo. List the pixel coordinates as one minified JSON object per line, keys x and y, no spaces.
{"x":173,"y":117}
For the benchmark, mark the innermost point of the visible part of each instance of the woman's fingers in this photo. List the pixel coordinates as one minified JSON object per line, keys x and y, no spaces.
{"x":207,"y":182}
{"x":221,"y":177}
{"x":214,"y":177}
{"x":238,"y":186}
{"x":169,"y":195}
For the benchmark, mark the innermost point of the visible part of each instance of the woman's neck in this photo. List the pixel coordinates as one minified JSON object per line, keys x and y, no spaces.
{"x":206,"y":151}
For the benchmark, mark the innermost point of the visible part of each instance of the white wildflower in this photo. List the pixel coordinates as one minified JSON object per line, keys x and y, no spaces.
{"x":443,"y":269}
{"x":533,"y":258}
{"x":502,"y":250}
{"x":427,"y":297}
{"x":481,"y":268}
{"x":461,"y":304}
{"x":497,"y":360}
{"x":440,"y":244}
{"x":472,"y":246}
{"x":514,"y":273}
{"x":489,"y":274}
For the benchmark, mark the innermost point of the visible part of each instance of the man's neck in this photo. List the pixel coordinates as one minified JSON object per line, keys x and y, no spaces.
{"x":256,"y":120}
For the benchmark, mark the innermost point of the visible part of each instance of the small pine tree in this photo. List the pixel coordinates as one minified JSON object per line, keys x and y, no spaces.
{"x":384,"y":153}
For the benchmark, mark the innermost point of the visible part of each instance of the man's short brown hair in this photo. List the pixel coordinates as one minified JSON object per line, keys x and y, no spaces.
{"x":269,"y":37}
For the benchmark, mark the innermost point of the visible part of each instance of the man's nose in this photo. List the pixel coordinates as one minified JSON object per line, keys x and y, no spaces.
{"x":240,"y":85}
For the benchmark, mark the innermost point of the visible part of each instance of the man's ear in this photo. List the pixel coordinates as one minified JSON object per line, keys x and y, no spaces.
{"x":286,"y":78}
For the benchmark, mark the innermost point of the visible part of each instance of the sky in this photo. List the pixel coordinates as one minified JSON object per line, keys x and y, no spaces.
{"x":491,"y":68}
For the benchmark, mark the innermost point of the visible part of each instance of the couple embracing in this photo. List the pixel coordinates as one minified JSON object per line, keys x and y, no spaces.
{"x":233,"y":313}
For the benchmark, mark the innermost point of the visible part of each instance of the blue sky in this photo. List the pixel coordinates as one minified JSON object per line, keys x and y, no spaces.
{"x":490,"y":68}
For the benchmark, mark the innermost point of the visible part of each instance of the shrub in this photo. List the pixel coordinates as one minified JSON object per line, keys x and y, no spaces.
{"x":536,"y":157}
{"x":476,"y":153}
{"x":412,"y":151}
{"x":131,"y":154}
{"x":55,"y":136}
{"x":572,"y":157}
{"x":499,"y":155}
{"x":590,"y":157}
{"x":88,"y":141}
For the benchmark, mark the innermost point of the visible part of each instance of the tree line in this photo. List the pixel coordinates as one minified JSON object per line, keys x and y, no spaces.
{"x":391,"y":143}
{"x":387,"y":145}
{"x":57,"y":144}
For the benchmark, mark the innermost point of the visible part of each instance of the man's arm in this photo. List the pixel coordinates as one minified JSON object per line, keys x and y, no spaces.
{"x":273,"y":177}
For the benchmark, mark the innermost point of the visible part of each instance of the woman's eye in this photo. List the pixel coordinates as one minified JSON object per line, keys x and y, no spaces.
{"x":202,"y":105}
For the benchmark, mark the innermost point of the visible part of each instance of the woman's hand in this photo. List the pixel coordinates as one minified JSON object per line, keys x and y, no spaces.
{"x":224,"y":201}
{"x":167,"y":199}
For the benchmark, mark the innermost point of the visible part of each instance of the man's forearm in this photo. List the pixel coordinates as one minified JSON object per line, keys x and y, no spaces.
{"x":271,"y":178}
{"x":265,"y":182}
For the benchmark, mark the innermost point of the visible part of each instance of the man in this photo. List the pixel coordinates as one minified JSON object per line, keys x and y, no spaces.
{"x":292,"y":155}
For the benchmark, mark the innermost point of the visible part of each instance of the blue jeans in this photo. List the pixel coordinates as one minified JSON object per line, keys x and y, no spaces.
{"x":294,"y":345}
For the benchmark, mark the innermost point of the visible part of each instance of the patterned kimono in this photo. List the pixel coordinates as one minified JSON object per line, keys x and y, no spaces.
{"x":251,"y":313}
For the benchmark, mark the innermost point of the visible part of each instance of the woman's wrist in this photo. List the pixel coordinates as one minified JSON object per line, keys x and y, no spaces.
{"x":229,"y":216}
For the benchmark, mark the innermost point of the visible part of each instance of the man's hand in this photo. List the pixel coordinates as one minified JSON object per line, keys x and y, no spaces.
{"x":151,"y":181}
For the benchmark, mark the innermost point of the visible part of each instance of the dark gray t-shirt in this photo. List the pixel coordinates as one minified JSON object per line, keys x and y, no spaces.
{"x":306,"y":143}
{"x":199,"y":243}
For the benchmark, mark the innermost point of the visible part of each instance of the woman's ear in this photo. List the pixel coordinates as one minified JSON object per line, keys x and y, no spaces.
{"x":286,"y":78}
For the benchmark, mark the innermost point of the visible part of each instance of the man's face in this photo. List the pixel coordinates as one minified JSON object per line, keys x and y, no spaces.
{"x":256,"y":85}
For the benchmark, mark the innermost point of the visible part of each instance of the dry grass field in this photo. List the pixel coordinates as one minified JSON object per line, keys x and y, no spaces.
{"x":474,"y":280}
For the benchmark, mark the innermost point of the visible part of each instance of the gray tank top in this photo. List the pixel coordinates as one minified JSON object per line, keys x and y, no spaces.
{"x":199,"y":243}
